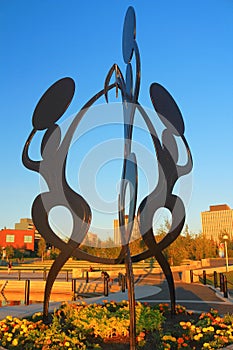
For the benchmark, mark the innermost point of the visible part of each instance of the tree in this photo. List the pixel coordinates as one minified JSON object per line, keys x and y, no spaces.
{"x":41,"y":248}
{"x":9,"y":252}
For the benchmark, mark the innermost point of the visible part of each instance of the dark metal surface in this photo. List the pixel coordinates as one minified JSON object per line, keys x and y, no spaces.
{"x":53,"y":104}
{"x":129,"y":34}
{"x":52,"y":167}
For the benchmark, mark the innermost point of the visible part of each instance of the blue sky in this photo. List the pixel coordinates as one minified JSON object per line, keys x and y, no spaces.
{"x":184,"y":45}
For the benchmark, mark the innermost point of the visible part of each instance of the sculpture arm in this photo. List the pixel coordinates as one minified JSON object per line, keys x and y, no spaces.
{"x":185,"y":169}
{"x":27,"y":161}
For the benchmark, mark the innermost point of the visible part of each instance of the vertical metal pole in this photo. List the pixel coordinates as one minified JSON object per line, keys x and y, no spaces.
{"x":221,"y":281}
{"x":123,"y":283}
{"x":44,"y":274}
{"x":19,"y":275}
{"x":87,"y":277}
{"x":74,"y":287}
{"x":225,"y":291}
{"x":67,"y":275}
{"x":215,"y":279}
{"x":131,"y":297}
{"x":105,"y":286}
{"x":226,"y":253}
{"x":191,"y":276}
{"x":204,"y":276}
{"x":27,"y":292}
{"x":119,"y":278}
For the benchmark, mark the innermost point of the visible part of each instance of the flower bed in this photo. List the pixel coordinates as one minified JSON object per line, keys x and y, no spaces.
{"x":86,"y":327}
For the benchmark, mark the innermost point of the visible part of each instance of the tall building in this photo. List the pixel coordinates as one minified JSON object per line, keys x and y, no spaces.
{"x":25,"y":224}
{"x":217,"y":221}
{"x":117,"y":235}
{"x":91,"y":240}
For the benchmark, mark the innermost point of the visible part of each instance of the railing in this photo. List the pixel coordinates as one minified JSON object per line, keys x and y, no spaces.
{"x":40,"y":273}
{"x":212,"y":279}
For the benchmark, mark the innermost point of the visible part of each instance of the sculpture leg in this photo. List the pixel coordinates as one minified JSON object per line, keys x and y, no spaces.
{"x":53,"y":272}
{"x":157,"y":252}
{"x":169,"y":277}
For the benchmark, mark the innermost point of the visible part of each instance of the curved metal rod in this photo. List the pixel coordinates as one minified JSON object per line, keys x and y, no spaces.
{"x":153,"y":201}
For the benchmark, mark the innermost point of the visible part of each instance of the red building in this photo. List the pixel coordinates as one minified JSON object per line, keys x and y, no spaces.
{"x":24,"y":239}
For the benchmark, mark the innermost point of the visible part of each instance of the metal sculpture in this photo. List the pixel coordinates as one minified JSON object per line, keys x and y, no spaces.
{"x":52,"y":167}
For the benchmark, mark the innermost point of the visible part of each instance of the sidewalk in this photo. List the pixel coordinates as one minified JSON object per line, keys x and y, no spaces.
{"x":28,"y":310}
{"x":194,"y":297}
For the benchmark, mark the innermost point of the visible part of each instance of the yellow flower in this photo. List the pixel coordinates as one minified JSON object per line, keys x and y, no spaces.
{"x":9,"y":318}
{"x":198,"y":336}
{"x":169,"y":337}
{"x":15,"y":342}
{"x":206,"y":345}
{"x":67,"y":343}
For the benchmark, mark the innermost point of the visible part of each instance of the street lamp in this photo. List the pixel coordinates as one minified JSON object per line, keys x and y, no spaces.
{"x":225,"y":237}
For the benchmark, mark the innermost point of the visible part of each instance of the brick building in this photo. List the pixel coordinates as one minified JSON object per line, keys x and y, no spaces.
{"x":22,"y":237}
{"x":19,"y":239}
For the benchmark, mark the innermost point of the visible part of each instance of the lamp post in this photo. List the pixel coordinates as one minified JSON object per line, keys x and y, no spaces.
{"x":225,"y":237}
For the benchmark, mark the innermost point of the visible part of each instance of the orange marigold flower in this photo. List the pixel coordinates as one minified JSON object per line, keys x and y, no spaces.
{"x":180,"y":340}
{"x":142,"y":334}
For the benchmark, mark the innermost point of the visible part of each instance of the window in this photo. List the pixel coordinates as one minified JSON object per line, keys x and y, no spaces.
{"x":10,"y":238}
{"x":27,"y":239}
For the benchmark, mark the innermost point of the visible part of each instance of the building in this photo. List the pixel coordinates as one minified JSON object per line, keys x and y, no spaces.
{"x":117,"y":235}
{"x":18,"y":239}
{"x":91,"y":239}
{"x":24,"y":236}
{"x":217,"y":221}
{"x":25,"y":224}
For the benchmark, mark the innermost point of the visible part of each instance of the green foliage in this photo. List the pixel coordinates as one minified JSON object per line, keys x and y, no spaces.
{"x":187,"y":246}
{"x":41,"y":248}
{"x":84,"y":327}
{"x":77,"y":326}
{"x":9,"y":252}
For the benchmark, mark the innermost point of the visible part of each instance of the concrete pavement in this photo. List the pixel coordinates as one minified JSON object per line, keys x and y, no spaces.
{"x":194,"y":297}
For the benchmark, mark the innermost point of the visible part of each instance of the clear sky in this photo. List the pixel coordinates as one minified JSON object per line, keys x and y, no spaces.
{"x":184,"y":45}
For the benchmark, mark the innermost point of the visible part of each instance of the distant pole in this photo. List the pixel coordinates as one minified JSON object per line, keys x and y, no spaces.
{"x":215,"y":279}
{"x":27,"y":292}
{"x":225,"y":237}
{"x":225,"y":291}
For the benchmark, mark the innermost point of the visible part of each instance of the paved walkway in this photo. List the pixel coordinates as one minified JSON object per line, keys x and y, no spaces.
{"x":194,"y":297}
